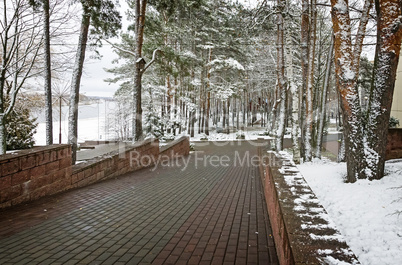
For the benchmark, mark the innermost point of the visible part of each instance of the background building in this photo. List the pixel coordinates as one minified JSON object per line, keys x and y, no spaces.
{"x":396,"y":110}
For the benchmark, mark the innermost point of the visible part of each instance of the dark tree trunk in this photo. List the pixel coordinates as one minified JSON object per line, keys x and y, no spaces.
{"x":137,"y":123}
{"x":346,"y":84}
{"x":48,"y":74}
{"x":304,"y":42}
{"x":389,"y":36}
{"x":75,"y":84}
{"x":323,"y":106}
{"x":139,"y":25}
{"x":208,"y":107}
{"x":281,"y":79}
{"x":169,"y":103}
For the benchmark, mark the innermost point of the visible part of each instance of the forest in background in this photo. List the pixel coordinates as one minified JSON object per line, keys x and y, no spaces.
{"x":219,"y":65}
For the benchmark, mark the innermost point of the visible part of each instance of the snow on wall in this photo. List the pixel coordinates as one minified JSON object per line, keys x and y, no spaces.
{"x":303,"y":231}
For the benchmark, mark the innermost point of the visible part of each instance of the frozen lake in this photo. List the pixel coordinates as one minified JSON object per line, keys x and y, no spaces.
{"x":95,"y":122}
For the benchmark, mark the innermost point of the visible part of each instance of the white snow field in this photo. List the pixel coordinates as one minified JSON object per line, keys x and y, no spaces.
{"x":95,"y":122}
{"x":365,"y":212}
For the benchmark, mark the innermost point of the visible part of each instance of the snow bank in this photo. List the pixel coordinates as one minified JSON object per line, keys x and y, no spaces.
{"x":364,"y":211}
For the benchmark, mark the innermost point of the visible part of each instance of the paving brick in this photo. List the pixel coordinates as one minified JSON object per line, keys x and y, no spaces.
{"x":165,"y":216}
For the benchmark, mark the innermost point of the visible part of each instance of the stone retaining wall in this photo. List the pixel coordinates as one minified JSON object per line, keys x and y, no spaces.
{"x":30,"y":174}
{"x":178,"y":147}
{"x":131,"y":158}
{"x":302,"y":230}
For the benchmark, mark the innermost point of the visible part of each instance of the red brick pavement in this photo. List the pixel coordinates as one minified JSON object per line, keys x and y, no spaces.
{"x":194,"y":214}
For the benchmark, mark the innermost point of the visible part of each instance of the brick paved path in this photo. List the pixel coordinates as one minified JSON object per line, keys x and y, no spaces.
{"x":200,"y":213}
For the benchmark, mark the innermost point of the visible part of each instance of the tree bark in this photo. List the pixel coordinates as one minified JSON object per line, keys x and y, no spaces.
{"x":323,"y":105}
{"x":208,"y":107}
{"x":75,"y":83}
{"x":48,"y":74}
{"x":308,"y":127}
{"x":294,"y":96}
{"x":304,"y":43}
{"x":3,"y":147}
{"x":346,"y":83}
{"x":281,"y":79}
{"x":20,"y":46}
{"x":389,"y":37}
{"x":169,"y":103}
{"x":3,"y":72}
{"x":139,"y":25}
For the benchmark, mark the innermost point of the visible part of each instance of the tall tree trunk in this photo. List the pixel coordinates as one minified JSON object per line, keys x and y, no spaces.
{"x":223,"y":114}
{"x":60,"y":105}
{"x":323,"y":106}
{"x":346,"y":83}
{"x":162,"y":113}
{"x":48,"y":74}
{"x":201,"y":115}
{"x":308,"y":128}
{"x":208,"y":109}
{"x":169,"y":103}
{"x":175,"y":108}
{"x":137,"y":110}
{"x":193,"y":112}
{"x":75,"y":83}
{"x":281,"y":79}
{"x":3,"y":147}
{"x":228,"y":113}
{"x":304,"y":42}
{"x":139,"y":26}
{"x":3,"y":72}
{"x":295,"y":96}
{"x":389,"y":37}
{"x":207,"y":112}
{"x":234,"y":111}
{"x":237,"y":114}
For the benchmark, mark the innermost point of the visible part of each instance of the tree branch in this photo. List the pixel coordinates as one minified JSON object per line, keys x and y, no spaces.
{"x":119,"y":48}
{"x":156,"y":51}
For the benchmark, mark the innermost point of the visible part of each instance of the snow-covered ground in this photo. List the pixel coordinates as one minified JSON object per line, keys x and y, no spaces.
{"x":88,"y":129}
{"x":365,"y":211}
{"x":250,"y":134}
{"x":94,"y":129}
{"x":96,"y":123}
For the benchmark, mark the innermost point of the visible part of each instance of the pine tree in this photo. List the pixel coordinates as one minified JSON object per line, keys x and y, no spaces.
{"x":104,"y":18}
{"x":20,"y":128}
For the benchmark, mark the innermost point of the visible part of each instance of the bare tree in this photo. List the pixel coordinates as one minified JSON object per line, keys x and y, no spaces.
{"x":21,"y":41}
